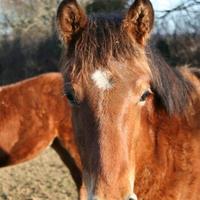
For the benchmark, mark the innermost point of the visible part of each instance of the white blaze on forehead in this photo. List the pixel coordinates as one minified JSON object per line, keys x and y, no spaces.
{"x":102,"y":79}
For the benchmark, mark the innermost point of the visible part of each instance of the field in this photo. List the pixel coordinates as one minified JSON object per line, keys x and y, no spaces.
{"x":44,"y":178}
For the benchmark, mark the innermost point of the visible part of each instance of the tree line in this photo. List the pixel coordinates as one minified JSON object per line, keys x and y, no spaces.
{"x":29,"y":43}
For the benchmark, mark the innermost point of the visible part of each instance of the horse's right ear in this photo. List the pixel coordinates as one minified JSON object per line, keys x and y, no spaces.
{"x":71,"y":19}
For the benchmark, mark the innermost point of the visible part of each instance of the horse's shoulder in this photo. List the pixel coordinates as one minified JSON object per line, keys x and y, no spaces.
{"x":192,"y":75}
{"x":195,"y":71}
{"x":190,"y":72}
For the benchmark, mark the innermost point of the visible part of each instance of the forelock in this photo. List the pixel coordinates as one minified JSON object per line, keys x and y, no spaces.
{"x":103,"y":39}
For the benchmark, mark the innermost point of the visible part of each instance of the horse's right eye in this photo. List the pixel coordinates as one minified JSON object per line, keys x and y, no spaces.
{"x":71,"y":97}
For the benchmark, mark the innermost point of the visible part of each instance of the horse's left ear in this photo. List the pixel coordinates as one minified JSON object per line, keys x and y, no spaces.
{"x":71,"y":19}
{"x":139,"y":21}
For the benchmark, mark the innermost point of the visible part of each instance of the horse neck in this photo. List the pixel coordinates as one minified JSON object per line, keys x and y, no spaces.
{"x":172,"y":148}
{"x":173,"y":145}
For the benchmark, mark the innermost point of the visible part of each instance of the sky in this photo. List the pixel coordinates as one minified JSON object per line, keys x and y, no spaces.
{"x":165,"y":4}
{"x":158,"y":4}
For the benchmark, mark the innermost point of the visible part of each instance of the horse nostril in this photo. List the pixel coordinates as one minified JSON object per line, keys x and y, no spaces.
{"x":132,"y":197}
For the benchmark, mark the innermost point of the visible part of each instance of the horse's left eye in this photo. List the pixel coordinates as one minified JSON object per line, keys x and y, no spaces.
{"x":145,"y":95}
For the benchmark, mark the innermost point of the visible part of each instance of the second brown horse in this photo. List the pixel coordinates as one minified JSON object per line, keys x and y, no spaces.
{"x":34,"y":114}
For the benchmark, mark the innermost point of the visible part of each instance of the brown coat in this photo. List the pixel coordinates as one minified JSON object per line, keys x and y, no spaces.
{"x":34,"y":114}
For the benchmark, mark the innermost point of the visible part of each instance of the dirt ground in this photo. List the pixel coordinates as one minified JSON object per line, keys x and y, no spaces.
{"x":44,"y":178}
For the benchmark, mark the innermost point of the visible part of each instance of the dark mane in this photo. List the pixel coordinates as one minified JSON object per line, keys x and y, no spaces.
{"x":171,"y":88}
{"x":103,"y":39}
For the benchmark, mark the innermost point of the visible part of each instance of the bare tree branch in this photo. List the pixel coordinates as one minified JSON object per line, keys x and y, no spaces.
{"x":185,"y":6}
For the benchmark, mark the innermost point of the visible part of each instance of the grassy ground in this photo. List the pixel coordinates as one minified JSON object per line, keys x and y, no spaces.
{"x":45,"y":178}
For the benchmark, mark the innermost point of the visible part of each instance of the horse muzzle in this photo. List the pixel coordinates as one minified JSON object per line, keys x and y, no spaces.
{"x":130,"y":197}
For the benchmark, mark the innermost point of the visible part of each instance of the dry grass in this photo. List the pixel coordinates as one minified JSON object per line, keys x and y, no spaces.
{"x":45,"y":178}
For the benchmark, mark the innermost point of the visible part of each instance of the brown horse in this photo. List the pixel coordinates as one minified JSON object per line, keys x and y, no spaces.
{"x":136,"y":119}
{"x":34,"y":114}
